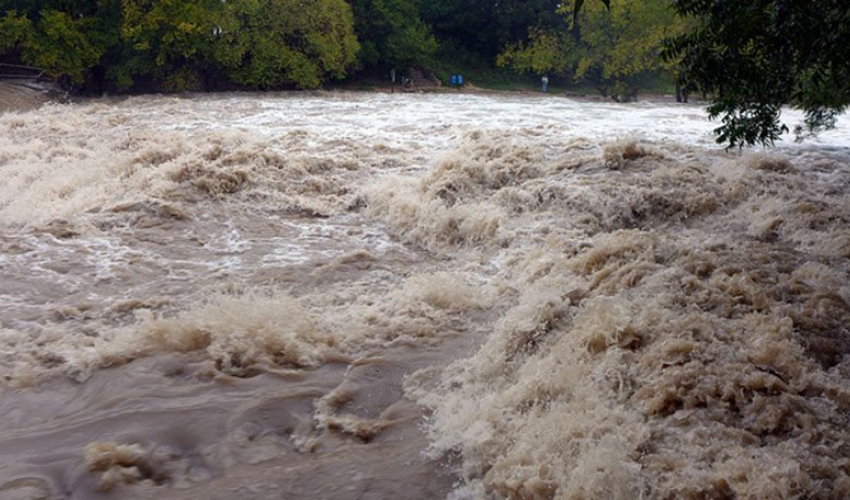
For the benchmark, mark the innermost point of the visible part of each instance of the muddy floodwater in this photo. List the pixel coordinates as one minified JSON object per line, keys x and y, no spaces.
{"x":378,"y":296}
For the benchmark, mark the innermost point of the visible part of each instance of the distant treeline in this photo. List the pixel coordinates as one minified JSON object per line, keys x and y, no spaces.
{"x":174,"y":45}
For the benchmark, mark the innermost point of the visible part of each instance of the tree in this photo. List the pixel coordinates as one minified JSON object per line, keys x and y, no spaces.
{"x":579,"y":3}
{"x":299,"y":43}
{"x":167,"y":41}
{"x":547,"y":51}
{"x":65,"y":38}
{"x":185,"y":44}
{"x":477,"y":30}
{"x":757,"y":56}
{"x":616,"y":49}
{"x":392,"y":33}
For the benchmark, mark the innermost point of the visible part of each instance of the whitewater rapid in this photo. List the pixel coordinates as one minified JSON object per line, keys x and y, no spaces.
{"x":363,"y":295}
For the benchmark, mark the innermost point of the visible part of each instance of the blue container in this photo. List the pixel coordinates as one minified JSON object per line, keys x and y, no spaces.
{"x":454,"y":79}
{"x":460,"y":79}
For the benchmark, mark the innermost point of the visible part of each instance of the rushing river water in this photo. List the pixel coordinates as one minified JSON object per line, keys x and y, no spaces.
{"x":374,"y":296}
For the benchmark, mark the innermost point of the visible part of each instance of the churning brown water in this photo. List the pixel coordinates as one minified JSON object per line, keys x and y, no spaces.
{"x":15,"y":97}
{"x":352,"y":296}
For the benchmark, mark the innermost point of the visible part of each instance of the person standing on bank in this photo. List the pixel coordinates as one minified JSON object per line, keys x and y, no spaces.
{"x":545,"y":82}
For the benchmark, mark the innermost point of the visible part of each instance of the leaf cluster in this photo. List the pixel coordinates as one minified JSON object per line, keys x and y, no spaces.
{"x":393,"y":33}
{"x":63,"y":39}
{"x":755,"y":57}
{"x":184,"y":44}
{"x":614,"y":45}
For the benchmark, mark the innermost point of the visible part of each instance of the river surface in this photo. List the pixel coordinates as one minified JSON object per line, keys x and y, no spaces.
{"x":383,"y":296}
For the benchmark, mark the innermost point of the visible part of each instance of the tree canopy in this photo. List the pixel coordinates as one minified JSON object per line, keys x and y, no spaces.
{"x":754,"y":57}
{"x":184,"y":44}
{"x":392,"y":33}
{"x":479,"y":29}
{"x":64,"y":38}
{"x":613,"y":45}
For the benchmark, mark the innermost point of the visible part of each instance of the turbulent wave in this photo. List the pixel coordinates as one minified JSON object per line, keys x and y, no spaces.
{"x":675,"y":327}
{"x":584,"y":313}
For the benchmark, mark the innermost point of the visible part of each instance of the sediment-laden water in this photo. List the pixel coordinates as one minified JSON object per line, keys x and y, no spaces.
{"x":353,"y":296}
{"x":22,"y":96}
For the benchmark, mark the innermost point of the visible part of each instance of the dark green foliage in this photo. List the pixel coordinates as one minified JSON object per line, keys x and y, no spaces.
{"x":178,"y":45}
{"x":186,"y":44}
{"x":613,"y":46}
{"x":392,"y":33}
{"x":479,"y":29}
{"x":754,"y":57}
{"x":580,"y":3}
{"x":167,"y":41}
{"x":291,"y":42}
{"x":65,"y":38}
